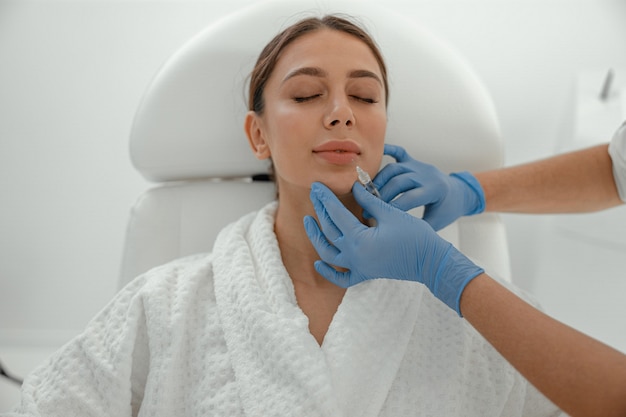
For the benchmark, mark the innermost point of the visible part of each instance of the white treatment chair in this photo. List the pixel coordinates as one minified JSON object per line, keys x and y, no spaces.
{"x":188,"y":137}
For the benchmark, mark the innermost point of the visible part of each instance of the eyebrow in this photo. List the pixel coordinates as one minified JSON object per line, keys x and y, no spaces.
{"x":312,"y":71}
{"x":365,"y":74}
{"x":318,"y":72}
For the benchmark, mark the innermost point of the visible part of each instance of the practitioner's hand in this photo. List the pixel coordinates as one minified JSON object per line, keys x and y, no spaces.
{"x":400,"y":246}
{"x":414,"y":183}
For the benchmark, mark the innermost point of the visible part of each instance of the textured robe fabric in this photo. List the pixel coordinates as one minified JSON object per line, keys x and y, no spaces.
{"x":222,"y":335}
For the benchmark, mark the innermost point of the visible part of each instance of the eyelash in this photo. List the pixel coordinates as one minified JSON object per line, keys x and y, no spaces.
{"x":366,"y":100}
{"x":309,"y":98}
{"x":305,"y":99}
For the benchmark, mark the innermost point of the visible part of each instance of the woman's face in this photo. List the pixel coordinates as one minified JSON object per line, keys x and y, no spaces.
{"x":324,"y":113}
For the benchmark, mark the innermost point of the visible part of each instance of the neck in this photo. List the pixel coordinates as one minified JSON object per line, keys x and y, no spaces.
{"x":297,"y":252}
{"x":318,"y":298}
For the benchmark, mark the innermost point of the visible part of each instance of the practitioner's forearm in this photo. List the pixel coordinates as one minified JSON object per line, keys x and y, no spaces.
{"x":579,"y":181}
{"x":579,"y":374}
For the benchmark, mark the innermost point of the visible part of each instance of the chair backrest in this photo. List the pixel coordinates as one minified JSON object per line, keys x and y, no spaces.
{"x":188,"y":134}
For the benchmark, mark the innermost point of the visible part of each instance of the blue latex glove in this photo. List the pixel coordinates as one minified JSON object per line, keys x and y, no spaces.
{"x":414,"y":183}
{"x":400,"y":246}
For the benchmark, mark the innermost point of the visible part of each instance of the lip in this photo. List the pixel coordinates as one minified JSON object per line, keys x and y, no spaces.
{"x":338,"y":146}
{"x":338,"y":152}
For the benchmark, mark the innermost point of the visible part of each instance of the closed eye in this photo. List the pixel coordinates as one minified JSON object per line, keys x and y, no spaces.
{"x":365,"y":99}
{"x":305,"y":99}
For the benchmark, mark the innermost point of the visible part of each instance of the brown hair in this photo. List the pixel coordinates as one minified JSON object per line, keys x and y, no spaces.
{"x":269,"y":56}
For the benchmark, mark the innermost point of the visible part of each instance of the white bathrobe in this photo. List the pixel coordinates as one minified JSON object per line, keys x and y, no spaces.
{"x":222,"y":335}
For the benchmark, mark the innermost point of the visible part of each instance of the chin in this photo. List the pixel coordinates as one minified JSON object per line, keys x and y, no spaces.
{"x":341,"y":190}
{"x":339,"y":183}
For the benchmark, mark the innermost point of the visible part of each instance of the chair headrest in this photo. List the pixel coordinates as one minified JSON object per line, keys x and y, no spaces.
{"x":189,"y":124}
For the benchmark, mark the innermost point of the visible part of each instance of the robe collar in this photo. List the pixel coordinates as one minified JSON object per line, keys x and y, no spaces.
{"x":279,"y":366}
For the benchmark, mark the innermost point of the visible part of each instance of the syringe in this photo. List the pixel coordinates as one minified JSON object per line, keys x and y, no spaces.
{"x":365,"y":179}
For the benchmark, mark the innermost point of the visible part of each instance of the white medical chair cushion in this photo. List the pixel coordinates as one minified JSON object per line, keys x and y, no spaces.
{"x":617,"y":150}
{"x":174,"y":221}
{"x":190,"y":121}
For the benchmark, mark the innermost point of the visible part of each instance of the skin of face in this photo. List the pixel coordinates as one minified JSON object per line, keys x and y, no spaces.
{"x":324,"y":114}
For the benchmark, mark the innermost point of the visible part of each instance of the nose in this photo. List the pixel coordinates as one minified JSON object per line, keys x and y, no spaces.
{"x":339,"y":114}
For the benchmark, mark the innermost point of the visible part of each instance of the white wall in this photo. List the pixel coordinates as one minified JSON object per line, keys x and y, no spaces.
{"x":72,"y":73}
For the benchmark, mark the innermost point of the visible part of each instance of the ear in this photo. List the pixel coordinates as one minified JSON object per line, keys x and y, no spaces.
{"x":253,"y":126}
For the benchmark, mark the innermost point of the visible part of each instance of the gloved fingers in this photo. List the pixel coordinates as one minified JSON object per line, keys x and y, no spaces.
{"x":418,"y":172}
{"x":324,"y":249}
{"x":397,"y":152}
{"x":438,"y":219}
{"x":390,"y":171}
{"x":399,"y":184}
{"x":374,"y":206}
{"x":402,"y":157}
{"x":332,"y":214}
{"x":341,"y":279}
{"x":326,"y":223}
{"x":411,"y":199}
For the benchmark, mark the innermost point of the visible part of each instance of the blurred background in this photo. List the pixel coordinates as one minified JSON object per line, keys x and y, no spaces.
{"x":72,"y":74}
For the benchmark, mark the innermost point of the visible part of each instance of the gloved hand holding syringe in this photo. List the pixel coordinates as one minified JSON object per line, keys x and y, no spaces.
{"x":399,"y":246}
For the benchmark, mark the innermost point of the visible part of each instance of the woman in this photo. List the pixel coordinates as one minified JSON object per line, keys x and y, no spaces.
{"x":252,"y":329}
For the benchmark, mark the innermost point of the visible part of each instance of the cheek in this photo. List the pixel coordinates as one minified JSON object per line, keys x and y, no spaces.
{"x":288,"y":122}
{"x":376,"y":126}
{"x":288,"y":138}
{"x":377,"y":129}
{"x":374,"y":117}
